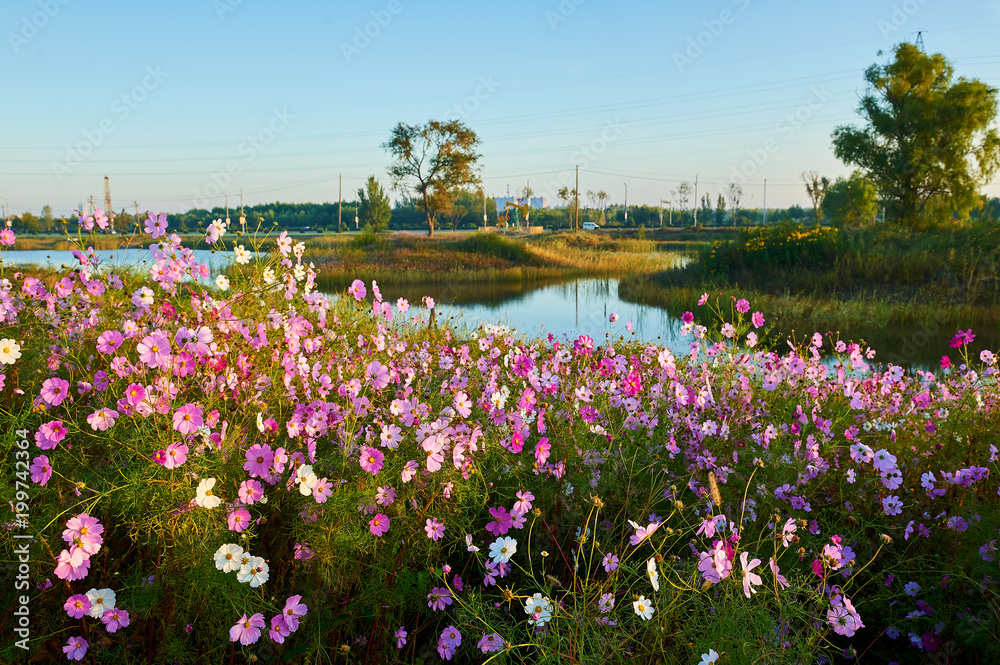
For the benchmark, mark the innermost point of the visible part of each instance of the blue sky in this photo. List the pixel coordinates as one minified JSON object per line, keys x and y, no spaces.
{"x":182,"y":102}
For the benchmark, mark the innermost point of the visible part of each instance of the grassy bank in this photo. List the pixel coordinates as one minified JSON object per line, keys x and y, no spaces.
{"x":487,"y":258}
{"x":828,"y":279}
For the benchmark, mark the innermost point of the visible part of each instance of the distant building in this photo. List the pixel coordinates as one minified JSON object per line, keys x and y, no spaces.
{"x":536,"y":202}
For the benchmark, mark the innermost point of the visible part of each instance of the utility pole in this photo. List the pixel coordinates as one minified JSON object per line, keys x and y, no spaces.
{"x":227,"y":210}
{"x":356,"y":212}
{"x":765,"y":201}
{"x":340,"y":204}
{"x":91,"y":206}
{"x":576,"y":198}
{"x":626,"y":204}
{"x":662,"y":201}
{"x":107,"y":204}
{"x":696,"y":200}
{"x":243,"y":219}
{"x":136,"y":204}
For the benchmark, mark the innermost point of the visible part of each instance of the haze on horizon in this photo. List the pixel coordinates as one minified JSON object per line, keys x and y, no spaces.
{"x":181,"y":103}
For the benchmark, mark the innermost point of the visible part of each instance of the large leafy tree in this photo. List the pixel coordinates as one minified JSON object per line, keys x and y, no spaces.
{"x":927,"y":144}
{"x":374,"y":207}
{"x":851,"y":202}
{"x":433,"y":161}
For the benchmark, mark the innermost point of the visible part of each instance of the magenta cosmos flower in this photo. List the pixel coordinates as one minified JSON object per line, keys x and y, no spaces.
{"x":247,"y":631}
{"x":188,"y":419}
{"x":77,"y":605}
{"x":500,"y":524}
{"x":54,"y":391}
{"x":109,"y":341}
{"x":379,"y":524}
{"x":259,"y":458}
{"x":238,"y":520}
{"x":371,"y":460}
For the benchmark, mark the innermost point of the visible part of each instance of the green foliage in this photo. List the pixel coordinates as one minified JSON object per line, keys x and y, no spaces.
{"x":374,"y":208}
{"x":928,"y":144}
{"x":491,"y":244}
{"x":433,"y":161}
{"x":851,"y":202}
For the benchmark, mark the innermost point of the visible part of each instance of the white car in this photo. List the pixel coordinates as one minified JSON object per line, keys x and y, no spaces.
{"x":590,"y":226}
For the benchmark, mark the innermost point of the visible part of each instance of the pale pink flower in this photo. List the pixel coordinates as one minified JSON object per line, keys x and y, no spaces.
{"x":247,"y":631}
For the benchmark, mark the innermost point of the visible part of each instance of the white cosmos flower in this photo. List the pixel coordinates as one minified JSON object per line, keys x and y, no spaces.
{"x":229,"y":557}
{"x":242,"y":255}
{"x":9,"y":351}
{"x":654,"y":576}
{"x":254,"y":571}
{"x":205,"y":498}
{"x":643,"y":608}
{"x":222,"y":282}
{"x":306,"y":479}
{"x":502,"y":549}
{"x":269,"y":276}
{"x":101,"y":600}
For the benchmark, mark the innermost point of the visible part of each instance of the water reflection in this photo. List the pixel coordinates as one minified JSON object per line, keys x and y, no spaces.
{"x":56,"y":259}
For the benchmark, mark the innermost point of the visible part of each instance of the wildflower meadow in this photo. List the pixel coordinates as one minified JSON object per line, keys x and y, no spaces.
{"x":238,"y":468}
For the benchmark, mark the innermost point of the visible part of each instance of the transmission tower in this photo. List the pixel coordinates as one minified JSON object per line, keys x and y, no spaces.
{"x":107,"y":204}
{"x":920,"y":40}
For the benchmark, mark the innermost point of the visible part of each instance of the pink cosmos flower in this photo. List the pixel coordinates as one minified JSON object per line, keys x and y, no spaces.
{"x":188,"y":419}
{"x":135,"y":393}
{"x":250,"y":492}
{"x":238,"y":520}
{"x":377,"y":375}
{"x":259,"y":458}
{"x":247,"y":631}
{"x":371,"y":460}
{"x":77,"y":605}
{"x":610,"y":562}
{"x":490,"y":643}
{"x":109,"y":341}
{"x":84,"y":529}
{"x":155,"y":225}
{"x":50,"y":434}
{"x":451,"y":636}
{"x":76,"y":648}
{"x":358,"y":290}
{"x":400,"y":637}
{"x":175,"y":455}
{"x":294,"y":610}
{"x":7,"y":237}
{"x":154,"y":349}
{"x":523,"y":503}
{"x":742,"y":306}
{"x":55,"y":390}
{"x":778,"y":577}
{"x":40,"y":470}
{"x":323,"y":490}
{"x":65,"y":570}
{"x":114,"y":619}
{"x":384,"y":496}
{"x":757,"y":319}
{"x":379,"y":524}
{"x":102,"y":419}
{"x":434,"y":528}
{"x":750,"y":579}
{"x":279,"y":629}
{"x":500,"y":524}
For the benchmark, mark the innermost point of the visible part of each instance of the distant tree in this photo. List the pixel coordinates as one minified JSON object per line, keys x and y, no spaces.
{"x":373,"y":206}
{"x":735,"y":193}
{"x":927,"y":144}
{"x":706,"y":208}
{"x":851,"y":202}
{"x":46,"y":222}
{"x":684,"y":192}
{"x":571,"y":200}
{"x":720,"y":210}
{"x":796,"y":212}
{"x":433,"y":161}
{"x":816,"y":187}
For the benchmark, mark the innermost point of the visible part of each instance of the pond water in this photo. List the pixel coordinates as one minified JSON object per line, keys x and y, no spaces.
{"x":582,"y":307}
{"x":56,"y":258}
{"x":567,"y":309}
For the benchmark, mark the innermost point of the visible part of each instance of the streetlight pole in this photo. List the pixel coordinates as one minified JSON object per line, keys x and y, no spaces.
{"x":696,"y":200}
{"x":484,"y":208}
{"x":765,"y":201}
{"x":626,"y":204}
